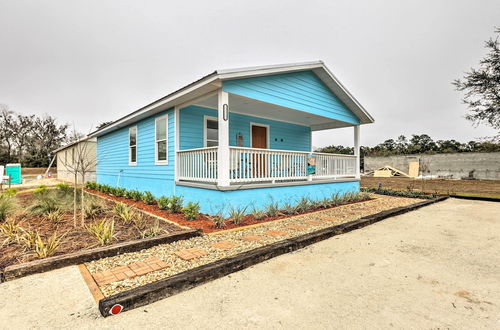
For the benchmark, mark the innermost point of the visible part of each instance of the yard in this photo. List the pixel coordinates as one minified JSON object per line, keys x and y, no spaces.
{"x":484,"y":188}
{"x":39,"y":224}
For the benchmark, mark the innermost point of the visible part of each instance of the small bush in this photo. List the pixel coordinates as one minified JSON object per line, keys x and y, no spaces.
{"x":288,"y":208}
{"x":93,"y":208}
{"x":218,"y":220}
{"x":40,"y":191}
{"x":104,"y":188}
{"x":171,"y":204}
{"x":103,"y":231}
{"x":152,"y":231}
{"x":258,"y":214}
{"x":237,"y":214}
{"x":90,"y":185}
{"x":140,"y":220}
{"x":273,"y":209}
{"x":191,"y":210}
{"x":11,"y":192}
{"x":148,"y":198}
{"x":54,"y":216}
{"x":48,"y":248}
{"x":64,"y":189}
{"x":7,"y":206}
{"x":303,"y":205}
{"x":28,"y":237}
{"x":45,"y":203}
{"x":10,"y":231}
{"x":120,"y":192}
{"x":124,"y":212}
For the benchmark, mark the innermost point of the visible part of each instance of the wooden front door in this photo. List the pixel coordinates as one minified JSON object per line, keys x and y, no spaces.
{"x":259,"y":137}
{"x":259,"y":140}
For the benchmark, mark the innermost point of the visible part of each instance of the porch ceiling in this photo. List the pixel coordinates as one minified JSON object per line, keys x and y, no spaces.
{"x":251,"y":107}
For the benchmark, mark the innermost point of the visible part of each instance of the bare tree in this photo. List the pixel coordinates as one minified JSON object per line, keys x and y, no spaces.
{"x":82,"y":160}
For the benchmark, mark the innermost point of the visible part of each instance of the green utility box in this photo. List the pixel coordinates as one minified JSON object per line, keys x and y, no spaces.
{"x":14,"y":171}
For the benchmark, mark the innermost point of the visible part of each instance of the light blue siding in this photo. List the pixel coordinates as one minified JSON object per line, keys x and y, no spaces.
{"x":213,"y":201}
{"x":282,"y":136}
{"x":302,"y":91}
{"x":113,"y":159}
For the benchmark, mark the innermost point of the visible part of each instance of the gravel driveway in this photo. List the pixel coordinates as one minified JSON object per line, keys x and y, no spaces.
{"x":437,"y":267}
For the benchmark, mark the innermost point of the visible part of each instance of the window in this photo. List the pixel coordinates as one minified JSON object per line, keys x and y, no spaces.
{"x":132,"y":137}
{"x":161,"y":142}
{"x":211,"y":132}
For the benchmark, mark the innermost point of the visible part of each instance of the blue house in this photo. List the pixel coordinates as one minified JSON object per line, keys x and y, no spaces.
{"x":237,"y":138}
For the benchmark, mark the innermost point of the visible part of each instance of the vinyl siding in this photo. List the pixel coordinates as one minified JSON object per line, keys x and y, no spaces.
{"x":113,"y":158}
{"x":302,"y":91}
{"x":282,"y":136}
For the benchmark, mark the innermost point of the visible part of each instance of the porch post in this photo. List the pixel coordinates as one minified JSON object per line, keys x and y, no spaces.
{"x":223,"y":150}
{"x":357,"y":151}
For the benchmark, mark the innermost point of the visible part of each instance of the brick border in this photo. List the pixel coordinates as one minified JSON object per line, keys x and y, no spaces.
{"x":170,"y":286}
{"x":39,"y":266}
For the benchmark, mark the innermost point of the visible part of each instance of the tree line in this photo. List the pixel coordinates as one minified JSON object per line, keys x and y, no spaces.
{"x":417,"y":144}
{"x":30,"y":139}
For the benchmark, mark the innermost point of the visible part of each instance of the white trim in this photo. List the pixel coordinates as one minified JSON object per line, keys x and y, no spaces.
{"x":223,"y":150}
{"x":161,"y":162}
{"x":357,"y":152}
{"x":268,"y":133}
{"x":205,"y":118}
{"x":176,"y":142}
{"x":130,"y":162}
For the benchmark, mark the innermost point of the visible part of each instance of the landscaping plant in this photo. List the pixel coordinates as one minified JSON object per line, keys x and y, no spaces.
{"x":389,"y":192}
{"x":93,"y":208}
{"x":237,"y":214}
{"x":258,"y":214}
{"x":273,"y":209}
{"x":7,"y":206}
{"x":303,"y":205}
{"x":10,"y":192}
{"x":191,"y":210}
{"x":140,"y":221}
{"x":28,"y":237}
{"x":152,"y":231}
{"x":103,"y":231}
{"x":124,"y":212}
{"x":171,"y":204}
{"x":48,"y":248}
{"x":64,"y":189}
{"x":45,"y":203}
{"x":54,"y":216}
{"x":10,"y":232}
{"x":148,"y":198}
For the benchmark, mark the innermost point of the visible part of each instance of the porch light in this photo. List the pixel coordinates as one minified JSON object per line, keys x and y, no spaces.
{"x":225,"y":112}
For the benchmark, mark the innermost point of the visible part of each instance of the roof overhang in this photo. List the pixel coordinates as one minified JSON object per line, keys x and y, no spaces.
{"x":213,"y":82}
{"x":85,"y":139}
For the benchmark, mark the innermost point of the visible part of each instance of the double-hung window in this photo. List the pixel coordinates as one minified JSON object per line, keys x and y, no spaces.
{"x":132,"y":138}
{"x":211,"y":132}
{"x":161,"y":140}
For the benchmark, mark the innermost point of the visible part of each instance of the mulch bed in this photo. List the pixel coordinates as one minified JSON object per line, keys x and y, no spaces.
{"x":75,"y":239}
{"x":202,"y":223}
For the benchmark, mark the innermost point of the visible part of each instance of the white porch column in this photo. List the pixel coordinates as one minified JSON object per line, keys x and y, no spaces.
{"x":357,"y":151}
{"x":223,"y":150}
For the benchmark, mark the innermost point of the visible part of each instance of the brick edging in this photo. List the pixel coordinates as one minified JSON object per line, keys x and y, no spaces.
{"x":152,"y":292}
{"x":75,"y":258}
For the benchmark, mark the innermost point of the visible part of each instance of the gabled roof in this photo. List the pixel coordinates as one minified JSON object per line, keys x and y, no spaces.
{"x":213,"y":81}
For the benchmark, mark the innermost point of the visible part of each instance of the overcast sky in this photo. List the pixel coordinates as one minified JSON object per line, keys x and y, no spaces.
{"x":90,"y":61}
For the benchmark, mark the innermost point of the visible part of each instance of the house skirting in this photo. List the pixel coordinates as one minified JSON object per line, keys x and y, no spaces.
{"x":213,"y":200}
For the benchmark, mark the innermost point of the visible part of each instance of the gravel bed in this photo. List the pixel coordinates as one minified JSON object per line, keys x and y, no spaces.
{"x":165,"y":252}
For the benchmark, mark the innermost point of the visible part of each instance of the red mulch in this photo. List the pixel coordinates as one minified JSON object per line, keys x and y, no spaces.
{"x":203,"y":222}
{"x":75,"y":239}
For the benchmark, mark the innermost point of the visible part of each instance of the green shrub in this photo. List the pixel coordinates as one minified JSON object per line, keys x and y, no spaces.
{"x":93,"y":208}
{"x":64,"y":189}
{"x":10,"y":232}
{"x":45,"y":203}
{"x":148,"y":198}
{"x":237,"y":214}
{"x":191,"y":210}
{"x":90,"y":185}
{"x":288,"y":208}
{"x":152,"y":231}
{"x":120,"y":192}
{"x":55,"y":216}
{"x":104,"y":188}
{"x":41,"y":190}
{"x":303,"y":205}
{"x":136,"y":195}
{"x":44,"y":249}
{"x":171,"y":204}
{"x":273,"y":209}
{"x":7,"y":206}
{"x":218,"y":220}
{"x":11,"y":192}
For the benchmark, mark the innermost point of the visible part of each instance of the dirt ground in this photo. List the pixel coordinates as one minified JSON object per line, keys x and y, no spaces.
{"x":434,"y":268}
{"x":479,"y":187}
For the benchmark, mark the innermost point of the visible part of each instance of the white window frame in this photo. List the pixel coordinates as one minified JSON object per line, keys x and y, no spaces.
{"x":157,"y":161}
{"x":130,"y":163}
{"x":205,"y":119}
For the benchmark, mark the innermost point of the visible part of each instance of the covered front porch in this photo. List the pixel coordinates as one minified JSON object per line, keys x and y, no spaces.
{"x":249,"y":143}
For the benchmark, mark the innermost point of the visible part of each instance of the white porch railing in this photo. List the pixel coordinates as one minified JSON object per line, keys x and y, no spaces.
{"x":198,"y":164}
{"x":262,"y":165}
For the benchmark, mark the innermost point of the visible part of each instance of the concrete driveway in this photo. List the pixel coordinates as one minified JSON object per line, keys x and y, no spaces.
{"x":437,"y":267}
